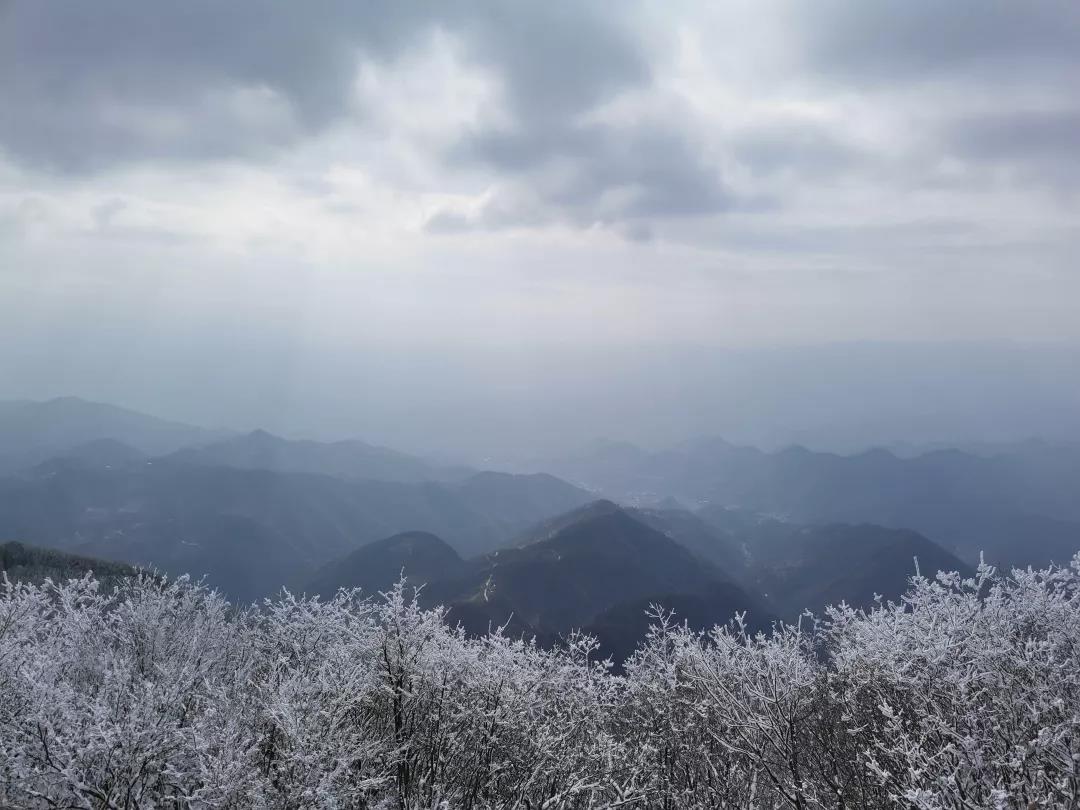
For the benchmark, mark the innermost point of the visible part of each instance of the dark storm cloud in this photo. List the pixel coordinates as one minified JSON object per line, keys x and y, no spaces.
{"x":95,"y":84}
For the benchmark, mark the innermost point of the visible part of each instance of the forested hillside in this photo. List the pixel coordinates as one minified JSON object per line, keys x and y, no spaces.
{"x":22,"y":563}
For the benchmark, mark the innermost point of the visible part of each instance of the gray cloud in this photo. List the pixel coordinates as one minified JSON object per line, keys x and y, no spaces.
{"x":590,"y":174}
{"x":964,"y":58}
{"x":556,"y":58}
{"x":101,"y":83}
{"x":901,"y":40}
{"x":97,"y":85}
{"x":803,"y":148}
{"x":1041,"y":147}
{"x":106,"y":82}
{"x":821,"y":171}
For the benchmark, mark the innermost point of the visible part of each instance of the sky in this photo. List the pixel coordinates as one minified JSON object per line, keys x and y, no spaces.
{"x":465,"y":225}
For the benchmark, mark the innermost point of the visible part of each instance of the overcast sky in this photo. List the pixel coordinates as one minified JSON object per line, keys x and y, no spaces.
{"x":210,"y":200}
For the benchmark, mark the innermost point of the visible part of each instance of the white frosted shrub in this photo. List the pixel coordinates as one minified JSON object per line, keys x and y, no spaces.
{"x":966,"y":694}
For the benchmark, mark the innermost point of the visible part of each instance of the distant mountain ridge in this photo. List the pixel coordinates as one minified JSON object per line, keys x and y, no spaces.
{"x":33,"y":432}
{"x":252,"y":531}
{"x":351,"y":459}
{"x":96,"y":454}
{"x":705,"y":525}
{"x":1020,"y":507}
{"x":796,"y":567}
{"x":720,"y":546}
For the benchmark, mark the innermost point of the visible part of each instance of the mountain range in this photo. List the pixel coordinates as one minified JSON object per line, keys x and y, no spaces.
{"x":1020,"y":505}
{"x":604,"y":569}
{"x":350,"y":459}
{"x":707,"y":529}
{"x":33,"y":432}
{"x":252,"y":531}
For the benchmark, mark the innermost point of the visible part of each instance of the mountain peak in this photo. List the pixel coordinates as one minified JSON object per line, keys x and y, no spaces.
{"x":591,"y":559}
{"x":419,"y":556}
{"x":549,"y":528}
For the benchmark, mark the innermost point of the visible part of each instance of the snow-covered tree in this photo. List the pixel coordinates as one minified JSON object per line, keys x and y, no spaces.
{"x":966,"y":694}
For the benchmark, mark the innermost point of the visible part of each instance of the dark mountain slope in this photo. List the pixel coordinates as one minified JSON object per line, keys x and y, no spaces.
{"x":24,"y":563}
{"x":175,"y":516}
{"x":735,"y":522}
{"x":799,"y":568}
{"x":621,"y":628}
{"x":549,"y":528}
{"x":856,"y":563}
{"x":519,"y":500}
{"x":721,"y":547}
{"x":602,"y":559}
{"x":245,"y":559}
{"x":70,"y":506}
{"x":375,"y":567}
{"x":104,"y":453}
{"x":1006,"y":539}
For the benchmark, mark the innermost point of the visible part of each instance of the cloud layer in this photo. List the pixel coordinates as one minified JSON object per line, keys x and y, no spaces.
{"x":476,"y":174}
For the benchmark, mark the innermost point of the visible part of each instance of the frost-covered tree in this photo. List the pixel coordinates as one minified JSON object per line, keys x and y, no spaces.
{"x":969,"y":692}
{"x":966,"y":694}
{"x":126,"y":700}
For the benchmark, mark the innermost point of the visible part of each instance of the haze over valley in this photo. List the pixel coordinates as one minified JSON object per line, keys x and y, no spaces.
{"x":615,"y":528}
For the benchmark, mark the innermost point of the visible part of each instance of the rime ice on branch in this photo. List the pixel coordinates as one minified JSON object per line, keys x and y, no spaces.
{"x":966,"y":694}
